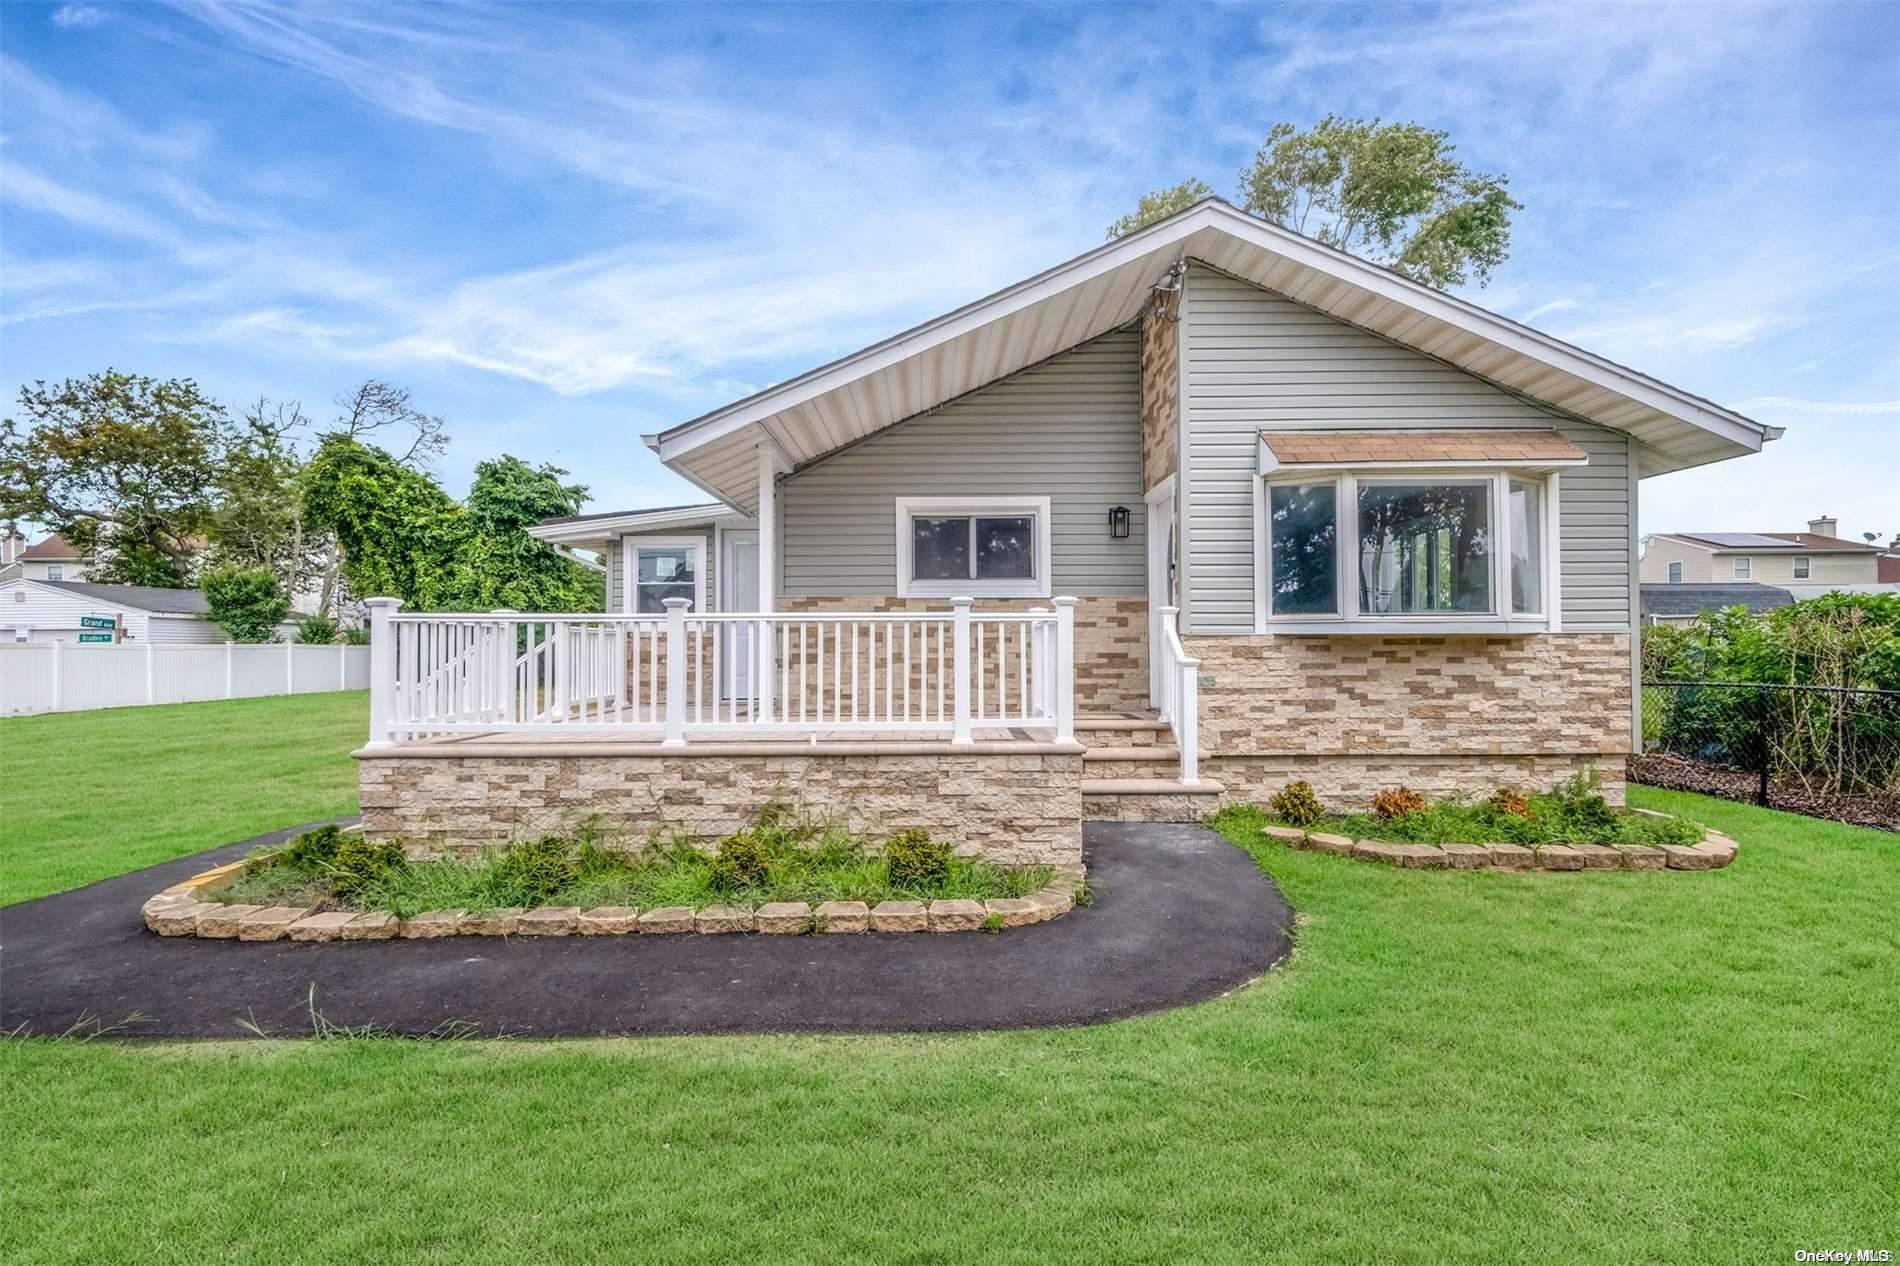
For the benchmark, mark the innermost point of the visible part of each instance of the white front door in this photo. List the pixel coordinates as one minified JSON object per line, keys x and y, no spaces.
{"x":739,"y":592}
{"x":1162,"y":552}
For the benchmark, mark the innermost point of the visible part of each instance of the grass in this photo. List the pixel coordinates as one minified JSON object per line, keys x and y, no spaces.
{"x":1463,"y":1066}
{"x":806,"y":863}
{"x":90,"y":795}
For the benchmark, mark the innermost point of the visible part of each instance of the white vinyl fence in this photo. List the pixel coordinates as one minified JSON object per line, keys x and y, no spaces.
{"x":64,"y":677}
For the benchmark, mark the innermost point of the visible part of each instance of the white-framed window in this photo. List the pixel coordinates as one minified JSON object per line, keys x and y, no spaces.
{"x":1802,"y":567}
{"x":981,"y":547}
{"x":1744,"y":567}
{"x":1451,"y":550}
{"x":55,"y":571}
{"x":1675,"y":573}
{"x":655,"y":568}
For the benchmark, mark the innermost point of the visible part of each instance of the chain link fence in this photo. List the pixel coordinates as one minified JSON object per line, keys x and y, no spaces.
{"x":1825,"y":751}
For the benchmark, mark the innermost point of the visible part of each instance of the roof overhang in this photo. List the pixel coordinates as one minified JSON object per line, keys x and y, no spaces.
{"x":936,"y":362}
{"x":593,"y":531}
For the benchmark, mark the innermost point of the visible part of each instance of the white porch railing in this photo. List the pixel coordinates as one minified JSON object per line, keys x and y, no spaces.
{"x":1180,"y":701}
{"x":679,"y":675}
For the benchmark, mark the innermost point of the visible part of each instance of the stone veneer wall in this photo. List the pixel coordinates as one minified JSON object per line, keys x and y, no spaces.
{"x":1013,"y":808}
{"x":1160,"y":392}
{"x":1352,"y":714}
{"x":1111,"y":640}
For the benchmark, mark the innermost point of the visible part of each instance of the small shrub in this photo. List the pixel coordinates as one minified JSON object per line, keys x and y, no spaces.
{"x":744,"y":861}
{"x":1508,"y":802}
{"x":1395,"y":802}
{"x":360,"y":864}
{"x":1297,"y":804}
{"x":530,"y":872}
{"x":312,"y":851}
{"x":356,"y":635}
{"x":316,"y":630}
{"x":992,"y":923}
{"x":914,"y":860}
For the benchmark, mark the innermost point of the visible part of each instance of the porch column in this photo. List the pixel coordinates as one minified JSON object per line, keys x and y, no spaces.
{"x":764,"y":640}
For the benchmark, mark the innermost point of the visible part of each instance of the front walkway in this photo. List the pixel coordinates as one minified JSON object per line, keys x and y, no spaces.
{"x":1180,"y":916}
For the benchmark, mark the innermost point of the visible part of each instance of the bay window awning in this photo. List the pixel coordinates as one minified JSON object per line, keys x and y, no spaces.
{"x":1532,"y":450}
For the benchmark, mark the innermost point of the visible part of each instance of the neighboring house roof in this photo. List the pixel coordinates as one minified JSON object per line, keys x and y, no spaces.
{"x":1772,"y":542}
{"x":148,"y":598}
{"x":592,"y":531}
{"x":1301,"y":448}
{"x":53,"y":549}
{"x":837,"y":404}
{"x":1668,"y":600}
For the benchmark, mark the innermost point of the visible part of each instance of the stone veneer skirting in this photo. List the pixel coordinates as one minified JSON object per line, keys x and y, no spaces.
{"x":1111,"y":639}
{"x":1010,"y":803}
{"x":1443,"y":715}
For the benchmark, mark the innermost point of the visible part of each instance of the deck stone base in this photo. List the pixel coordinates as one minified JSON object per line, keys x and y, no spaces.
{"x":1013,"y":809}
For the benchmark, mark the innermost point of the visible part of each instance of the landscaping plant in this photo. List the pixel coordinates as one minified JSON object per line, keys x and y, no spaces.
{"x":1296,"y":805}
{"x":1396,"y":802}
{"x":913,"y":858}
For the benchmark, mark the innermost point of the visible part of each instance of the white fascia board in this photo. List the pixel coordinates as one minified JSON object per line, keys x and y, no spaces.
{"x":633,"y":521}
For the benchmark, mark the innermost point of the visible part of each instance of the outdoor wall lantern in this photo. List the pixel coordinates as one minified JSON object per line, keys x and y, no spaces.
{"x":1118,"y":523}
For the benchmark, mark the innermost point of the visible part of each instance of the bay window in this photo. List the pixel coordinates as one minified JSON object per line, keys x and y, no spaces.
{"x":1466,"y":551}
{"x":951,"y":546}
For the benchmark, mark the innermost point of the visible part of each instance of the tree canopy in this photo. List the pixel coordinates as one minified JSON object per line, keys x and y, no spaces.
{"x":125,"y":467}
{"x":1392,"y":193}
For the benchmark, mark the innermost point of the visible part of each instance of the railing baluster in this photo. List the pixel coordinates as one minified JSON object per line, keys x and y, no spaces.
{"x":854,"y":670}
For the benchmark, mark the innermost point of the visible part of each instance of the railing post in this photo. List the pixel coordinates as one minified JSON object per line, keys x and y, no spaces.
{"x":675,"y":672}
{"x":1187,"y":723}
{"x":230,"y":673}
{"x":766,"y":654}
{"x":1065,"y":670}
{"x":1166,"y":674}
{"x":151,"y":674}
{"x":342,"y":665}
{"x":960,"y":668}
{"x":59,"y":672}
{"x":290,"y":667}
{"x":505,"y":666}
{"x":382,"y":670}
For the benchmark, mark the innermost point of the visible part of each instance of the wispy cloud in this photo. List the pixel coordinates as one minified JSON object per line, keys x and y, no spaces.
{"x":78,"y":15}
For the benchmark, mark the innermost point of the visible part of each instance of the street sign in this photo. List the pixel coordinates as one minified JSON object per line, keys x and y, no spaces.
{"x":97,"y":622}
{"x":95,"y":637}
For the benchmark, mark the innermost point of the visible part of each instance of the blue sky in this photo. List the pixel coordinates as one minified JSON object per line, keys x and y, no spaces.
{"x":564,"y":226}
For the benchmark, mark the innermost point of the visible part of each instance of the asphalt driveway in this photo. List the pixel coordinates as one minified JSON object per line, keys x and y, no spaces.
{"x":1179,"y":916}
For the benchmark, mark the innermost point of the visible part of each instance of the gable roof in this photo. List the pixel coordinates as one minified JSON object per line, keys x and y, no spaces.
{"x":53,"y":549}
{"x":1773,"y":543}
{"x":148,"y":598}
{"x":1695,"y":599}
{"x":931,"y":364}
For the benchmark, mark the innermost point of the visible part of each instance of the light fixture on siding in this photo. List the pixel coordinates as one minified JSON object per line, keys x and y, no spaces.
{"x":1118,"y":523}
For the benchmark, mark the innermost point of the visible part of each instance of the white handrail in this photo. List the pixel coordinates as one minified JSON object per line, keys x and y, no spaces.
{"x":680,"y":675}
{"x":1180,"y":702}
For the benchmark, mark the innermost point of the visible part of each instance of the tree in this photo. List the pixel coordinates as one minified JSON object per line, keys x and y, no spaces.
{"x":1159,"y":205}
{"x":399,"y":534}
{"x":1391,"y":193}
{"x":259,"y":520}
{"x":378,"y":406}
{"x":245,"y":601}
{"x":123,"y":466}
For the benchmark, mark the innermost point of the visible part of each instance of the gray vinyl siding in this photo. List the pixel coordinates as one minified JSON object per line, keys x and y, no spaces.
{"x":1255,"y":360}
{"x":616,"y":573}
{"x":1068,"y":429}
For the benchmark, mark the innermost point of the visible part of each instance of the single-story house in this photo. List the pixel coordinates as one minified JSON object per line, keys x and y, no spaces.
{"x":1207,"y":509}
{"x":1683,"y":604}
{"x":58,"y":611}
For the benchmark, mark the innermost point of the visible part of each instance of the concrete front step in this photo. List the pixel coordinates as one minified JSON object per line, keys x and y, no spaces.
{"x":1149,"y":761}
{"x":1121,"y":731}
{"x":1147,"y":800}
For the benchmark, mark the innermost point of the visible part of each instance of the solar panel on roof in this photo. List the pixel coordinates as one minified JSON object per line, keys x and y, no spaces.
{"x":1746,"y":540}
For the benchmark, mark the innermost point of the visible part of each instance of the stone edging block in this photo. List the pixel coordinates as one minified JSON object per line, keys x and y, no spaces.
{"x":181,"y":911}
{"x":1713,"y":852}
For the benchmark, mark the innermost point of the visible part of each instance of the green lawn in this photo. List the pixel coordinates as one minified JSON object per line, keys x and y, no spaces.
{"x":1463,"y":1066}
{"x":89,"y":795}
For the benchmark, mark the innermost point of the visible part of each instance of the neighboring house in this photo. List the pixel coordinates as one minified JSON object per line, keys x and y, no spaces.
{"x":54,"y":611}
{"x":1683,"y":603}
{"x":50,"y":559}
{"x":1887,"y":566}
{"x":1235,"y":508}
{"x":1806,"y":563}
